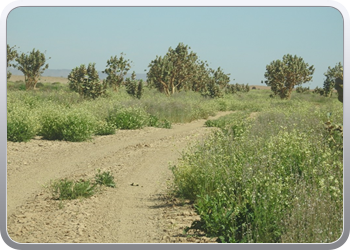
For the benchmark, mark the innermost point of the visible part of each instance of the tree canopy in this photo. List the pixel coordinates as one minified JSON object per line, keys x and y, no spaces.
{"x":283,"y":75}
{"x":32,"y":66}
{"x":181,"y":69}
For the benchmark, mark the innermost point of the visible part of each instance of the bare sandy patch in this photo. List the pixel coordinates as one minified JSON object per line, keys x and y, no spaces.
{"x":136,"y":211}
{"x":43,"y":79}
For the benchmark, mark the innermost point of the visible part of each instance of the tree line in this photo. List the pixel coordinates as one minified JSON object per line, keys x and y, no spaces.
{"x":179,"y":69}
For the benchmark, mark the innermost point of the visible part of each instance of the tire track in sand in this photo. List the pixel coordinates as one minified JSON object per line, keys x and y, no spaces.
{"x":125,"y":214}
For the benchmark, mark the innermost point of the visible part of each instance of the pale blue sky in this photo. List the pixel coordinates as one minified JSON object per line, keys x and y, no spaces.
{"x":241,"y":40}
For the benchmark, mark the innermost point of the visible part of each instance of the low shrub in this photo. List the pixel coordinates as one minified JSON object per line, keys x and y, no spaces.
{"x":105,"y":179}
{"x":275,"y":179}
{"x":67,"y":124}
{"x":69,"y":190}
{"x":153,"y":121}
{"x":104,"y":128}
{"x":21,"y":124}
{"x":128,"y":118}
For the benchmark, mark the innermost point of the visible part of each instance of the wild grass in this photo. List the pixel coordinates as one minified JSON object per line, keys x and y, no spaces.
{"x":66,"y":189}
{"x":271,"y":178}
{"x":60,"y":114}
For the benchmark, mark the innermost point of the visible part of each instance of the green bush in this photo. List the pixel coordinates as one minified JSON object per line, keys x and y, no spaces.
{"x":104,"y":128}
{"x":104,"y":178}
{"x":272,"y":179}
{"x":128,"y":118}
{"x":67,"y":124}
{"x":68,"y":189}
{"x":153,"y":121}
{"x":21,"y":124}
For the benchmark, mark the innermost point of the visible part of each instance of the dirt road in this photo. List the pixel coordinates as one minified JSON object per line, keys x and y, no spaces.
{"x":138,"y":213}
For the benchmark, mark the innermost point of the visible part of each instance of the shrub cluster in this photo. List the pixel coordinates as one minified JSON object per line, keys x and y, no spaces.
{"x":234,"y":88}
{"x":67,"y":124}
{"x":274,"y":178}
{"x":69,"y":190}
{"x":21,"y":124}
{"x":301,"y":89}
{"x":128,"y":118}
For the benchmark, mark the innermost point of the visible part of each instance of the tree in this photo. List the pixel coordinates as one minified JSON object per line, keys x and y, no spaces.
{"x":339,"y":85}
{"x":86,"y":81}
{"x":32,"y":66}
{"x":134,"y":87}
{"x":11,"y":55}
{"x":212,"y":90}
{"x":221,"y":79}
{"x":331,"y":75}
{"x":200,"y":79}
{"x":215,"y":83}
{"x":116,"y":69}
{"x":283,"y":75}
{"x":170,"y":73}
{"x":180,"y":69}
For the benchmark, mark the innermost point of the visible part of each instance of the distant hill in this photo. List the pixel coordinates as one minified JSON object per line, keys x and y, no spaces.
{"x":65,"y":72}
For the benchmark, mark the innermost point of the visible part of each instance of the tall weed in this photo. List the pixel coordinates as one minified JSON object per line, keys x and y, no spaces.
{"x":278,"y":180}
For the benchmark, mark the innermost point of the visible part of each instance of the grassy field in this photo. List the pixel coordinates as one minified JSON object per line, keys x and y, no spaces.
{"x":272,"y":172}
{"x":56,"y":113}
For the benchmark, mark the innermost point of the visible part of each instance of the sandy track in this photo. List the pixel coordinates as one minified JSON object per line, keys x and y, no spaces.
{"x":125,"y":214}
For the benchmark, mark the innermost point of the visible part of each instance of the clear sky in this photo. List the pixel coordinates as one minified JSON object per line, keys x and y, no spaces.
{"x":240,"y":40}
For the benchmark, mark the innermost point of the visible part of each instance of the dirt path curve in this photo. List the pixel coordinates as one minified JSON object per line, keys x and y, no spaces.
{"x":125,"y":214}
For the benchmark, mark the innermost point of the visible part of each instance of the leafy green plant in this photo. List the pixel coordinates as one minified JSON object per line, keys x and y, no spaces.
{"x":21,"y":125}
{"x":69,"y":190}
{"x":65,"y":189}
{"x":104,"y":128}
{"x":153,"y":121}
{"x":220,"y":218}
{"x":128,"y":118}
{"x":233,"y":123}
{"x":273,"y":178}
{"x":335,"y":133}
{"x":105,"y":179}
{"x":67,"y":124}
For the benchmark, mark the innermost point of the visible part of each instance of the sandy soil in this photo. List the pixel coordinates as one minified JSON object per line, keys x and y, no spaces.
{"x":126,"y":214}
{"x":43,"y":79}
